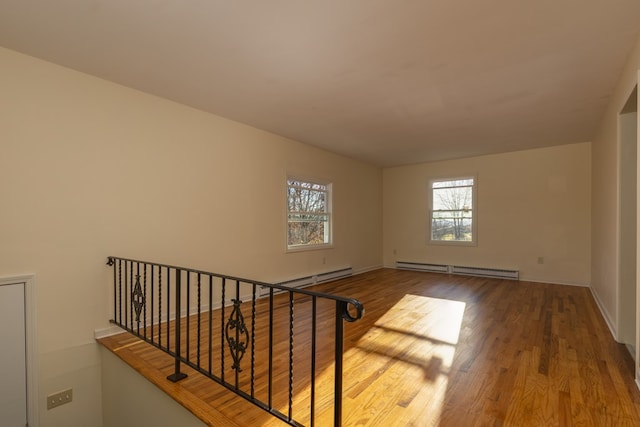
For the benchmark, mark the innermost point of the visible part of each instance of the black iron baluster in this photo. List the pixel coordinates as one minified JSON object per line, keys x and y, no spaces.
{"x":210,"y":322}
{"x":144,"y":307}
{"x":239,"y":325}
{"x":169,"y":309}
{"x":222,"y":319}
{"x":125,"y":278}
{"x":153,"y":291}
{"x":188,"y":315}
{"x":129,"y":294}
{"x":199,"y":329}
{"x":160,"y":306}
{"x":253,"y":339}
{"x":177,"y":375}
{"x":120,"y":291}
{"x":314,"y":320}
{"x":125,"y":296}
{"x":290,"y":354}
{"x":270,"y":397}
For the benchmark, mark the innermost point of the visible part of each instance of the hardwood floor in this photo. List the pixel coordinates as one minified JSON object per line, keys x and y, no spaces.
{"x":441,"y":350}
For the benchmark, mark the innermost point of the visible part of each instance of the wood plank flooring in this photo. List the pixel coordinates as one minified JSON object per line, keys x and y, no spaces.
{"x":438,"y":350}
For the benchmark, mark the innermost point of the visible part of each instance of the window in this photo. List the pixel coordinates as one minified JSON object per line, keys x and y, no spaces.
{"x":452,"y":210}
{"x":308,"y":214}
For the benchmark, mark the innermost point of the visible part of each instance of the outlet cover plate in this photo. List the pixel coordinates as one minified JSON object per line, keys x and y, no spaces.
{"x":60,"y":398}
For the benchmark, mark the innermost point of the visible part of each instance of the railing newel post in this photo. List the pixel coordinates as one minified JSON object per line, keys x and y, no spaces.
{"x":177,"y":375}
{"x":339,"y":348}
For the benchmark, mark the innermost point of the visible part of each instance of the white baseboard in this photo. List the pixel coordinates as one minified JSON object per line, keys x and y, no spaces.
{"x":605,"y":314}
{"x":107,"y":332}
{"x":631,"y":350}
{"x":555,"y":282}
{"x":367,"y":269}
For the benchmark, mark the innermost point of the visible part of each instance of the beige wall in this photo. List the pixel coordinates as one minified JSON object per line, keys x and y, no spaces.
{"x":530,"y":204}
{"x":627,"y":166}
{"x":90,"y":169}
{"x":605,"y":196}
{"x":133,"y":401}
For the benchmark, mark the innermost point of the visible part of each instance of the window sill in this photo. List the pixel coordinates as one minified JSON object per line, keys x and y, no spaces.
{"x":305,"y":248}
{"x":451,"y":243}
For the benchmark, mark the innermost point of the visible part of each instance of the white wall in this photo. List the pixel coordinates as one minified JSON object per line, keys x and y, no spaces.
{"x":530,"y":204}
{"x":605,"y":196}
{"x":90,"y":169}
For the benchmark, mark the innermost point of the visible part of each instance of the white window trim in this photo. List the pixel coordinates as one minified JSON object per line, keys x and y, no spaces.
{"x":308,"y":247}
{"x":474,"y":210}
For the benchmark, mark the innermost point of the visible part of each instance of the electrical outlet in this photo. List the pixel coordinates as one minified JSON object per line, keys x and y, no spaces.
{"x":60,"y":398}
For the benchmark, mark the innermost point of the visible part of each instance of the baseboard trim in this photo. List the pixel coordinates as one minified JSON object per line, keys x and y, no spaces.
{"x":556,"y":282}
{"x":604,"y":313}
{"x":107,"y":332}
{"x":367,"y":269}
{"x":631,"y":350}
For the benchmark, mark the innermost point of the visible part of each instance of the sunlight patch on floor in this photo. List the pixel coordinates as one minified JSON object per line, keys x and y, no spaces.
{"x":416,"y":338}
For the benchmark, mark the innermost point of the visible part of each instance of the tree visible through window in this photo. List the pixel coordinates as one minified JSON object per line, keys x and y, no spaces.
{"x":308,"y":214}
{"x":452,"y":213}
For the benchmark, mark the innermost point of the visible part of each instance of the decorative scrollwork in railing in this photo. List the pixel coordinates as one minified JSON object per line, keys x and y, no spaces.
{"x":239,"y":340}
{"x":137,"y":298}
{"x":346,"y":314}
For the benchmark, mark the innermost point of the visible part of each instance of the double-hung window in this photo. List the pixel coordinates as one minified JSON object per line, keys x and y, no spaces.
{"x":452,"y":210}
{"x":308,"y":214}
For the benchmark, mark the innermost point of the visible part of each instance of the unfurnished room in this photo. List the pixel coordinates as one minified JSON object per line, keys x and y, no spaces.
{"x":319,"y":213}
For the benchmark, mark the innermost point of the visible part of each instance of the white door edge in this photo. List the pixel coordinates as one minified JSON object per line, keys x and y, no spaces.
{"x":29,"y":281}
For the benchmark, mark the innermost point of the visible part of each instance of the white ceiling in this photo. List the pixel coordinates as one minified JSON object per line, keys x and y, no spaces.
{"x":390,"y":82}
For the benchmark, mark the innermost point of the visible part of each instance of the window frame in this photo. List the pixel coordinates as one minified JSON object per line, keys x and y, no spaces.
{"x":328,"y":212}
{"x":474,"y":210}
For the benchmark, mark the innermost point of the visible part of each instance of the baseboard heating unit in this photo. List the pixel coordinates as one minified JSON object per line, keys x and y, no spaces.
{"x":458,"y":269}
{"x":434,"y":268}
{"x":316,"y":279}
